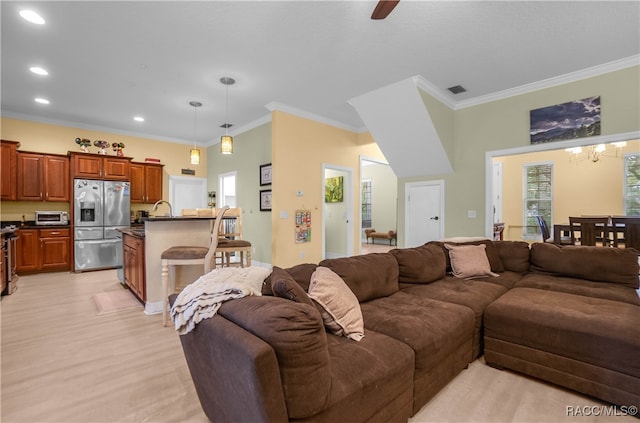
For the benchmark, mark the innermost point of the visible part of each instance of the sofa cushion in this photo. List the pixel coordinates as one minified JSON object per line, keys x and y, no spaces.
{"x":371,"y":380}
{"x":469,"y":261}
{"x":422,"y":264}
{"x":301,"y":273}
{"x":436,"y":331}
{"x":369,"y":276}
{"x":296,"y":334}
{"x":283,"y":285}
{"x":514,"y":255}
{"x":339,"y":307}
{"x":492,"y":252}
{"x":615,"y":265}
{"x":607,"y":291}
{"x":474,"y":294}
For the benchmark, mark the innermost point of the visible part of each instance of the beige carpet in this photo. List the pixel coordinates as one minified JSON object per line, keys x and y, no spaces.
{"x":114,"y":301}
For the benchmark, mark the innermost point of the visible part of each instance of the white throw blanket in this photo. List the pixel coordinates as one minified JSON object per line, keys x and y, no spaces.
{"x":202,"y":299}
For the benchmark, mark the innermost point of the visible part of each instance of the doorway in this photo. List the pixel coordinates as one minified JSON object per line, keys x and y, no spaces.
{"x":424,"y":216}
{"x":337,"y":216}
{"x":187,"y":192}
{"x":378,"y":201}
{"x":227,"y":189}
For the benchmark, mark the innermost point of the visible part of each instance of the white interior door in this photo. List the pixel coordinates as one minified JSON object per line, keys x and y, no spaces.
{"x":187,"y":192}
{"x":424,"y":217}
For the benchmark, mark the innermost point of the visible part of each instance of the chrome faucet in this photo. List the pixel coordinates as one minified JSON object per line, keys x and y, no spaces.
{"x":155,"y":206}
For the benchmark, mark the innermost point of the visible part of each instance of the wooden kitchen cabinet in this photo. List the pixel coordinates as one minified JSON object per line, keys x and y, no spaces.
{"x":28,"y":253}
{"x":99,"y":166}
{"x":146,"y":182}
{"x":55,"y":246}
{"x":9,"y":170}
{"x":43,"y":250}
{"x":134,"y":265}
{"x":42,"y":177}
{"x":3,"y":268}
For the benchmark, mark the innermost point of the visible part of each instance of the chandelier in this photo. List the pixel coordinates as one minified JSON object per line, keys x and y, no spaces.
{"x":594,"y":153}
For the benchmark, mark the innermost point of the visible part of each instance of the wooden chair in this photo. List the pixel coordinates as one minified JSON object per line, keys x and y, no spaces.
{"x":230,"y":240}
{"x":546,"y":233}
{"x":498,"y":231}
{"x":188,"y":256}
{"x":592,"y":230}
{"x":629,"y":227}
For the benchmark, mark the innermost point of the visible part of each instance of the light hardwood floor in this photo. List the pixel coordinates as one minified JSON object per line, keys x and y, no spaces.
{"x":61,"y":362}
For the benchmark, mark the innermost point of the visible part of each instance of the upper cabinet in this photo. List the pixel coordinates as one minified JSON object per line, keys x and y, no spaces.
{"x":99,"y":166}
{"x":146,"y":182}
{"x":8,"y":170}
{"x":42,"y":177}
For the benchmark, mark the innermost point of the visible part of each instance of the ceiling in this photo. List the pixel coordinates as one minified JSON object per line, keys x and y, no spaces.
{"x":111,"y":61}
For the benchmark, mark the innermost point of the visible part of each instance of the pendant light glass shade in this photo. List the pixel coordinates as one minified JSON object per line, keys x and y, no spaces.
{"x":194,"y":153}
{"x":226,"y":141}
{"x":195,"y":156}
{"x":226,"y":144}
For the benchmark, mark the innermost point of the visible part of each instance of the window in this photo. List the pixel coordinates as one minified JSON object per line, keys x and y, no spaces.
{"x":632,"y":185}
{"x":366,"y":203}
{"x":227,"y":189}
{"x":538,"y":197}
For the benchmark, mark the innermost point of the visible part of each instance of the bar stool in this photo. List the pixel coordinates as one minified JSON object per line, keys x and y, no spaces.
{"x":189,"y":255}
{"x":230,"y":240}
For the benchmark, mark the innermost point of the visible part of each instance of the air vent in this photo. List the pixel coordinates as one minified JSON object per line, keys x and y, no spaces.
{"x":457,"y":89}
{"x":226,"y":125}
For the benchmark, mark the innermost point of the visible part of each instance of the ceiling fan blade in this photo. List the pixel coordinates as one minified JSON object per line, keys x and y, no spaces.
{"x":383,"y":8}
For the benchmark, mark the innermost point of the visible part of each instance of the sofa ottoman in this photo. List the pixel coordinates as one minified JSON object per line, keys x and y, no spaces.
{"x":591,"y":345}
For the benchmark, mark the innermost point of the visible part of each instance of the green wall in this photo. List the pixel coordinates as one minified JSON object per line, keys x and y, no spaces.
{"x":251,"y":149}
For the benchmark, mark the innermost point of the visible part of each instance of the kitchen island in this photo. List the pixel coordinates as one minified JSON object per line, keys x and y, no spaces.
{"x":160,"y":233}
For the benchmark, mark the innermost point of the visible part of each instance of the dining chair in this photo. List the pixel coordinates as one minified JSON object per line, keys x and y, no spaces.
{"x":591,"y":229}
{"x":546,"y":233}
{"x":230,"y":240}
{"x":182,"y":255}
{"x":629,"y":227}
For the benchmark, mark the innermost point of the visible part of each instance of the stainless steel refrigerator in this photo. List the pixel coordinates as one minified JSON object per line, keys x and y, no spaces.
{"x":100,"y":207}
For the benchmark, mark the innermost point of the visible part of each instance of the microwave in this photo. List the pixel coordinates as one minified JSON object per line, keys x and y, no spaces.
{"x":52,"y":218}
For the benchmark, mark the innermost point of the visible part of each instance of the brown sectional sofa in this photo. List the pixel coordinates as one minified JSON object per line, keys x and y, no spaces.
{"x":568,"y":315}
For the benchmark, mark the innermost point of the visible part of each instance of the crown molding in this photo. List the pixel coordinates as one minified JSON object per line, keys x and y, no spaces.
{"x":70,"y":124}
{"x":434,"y":91}
{"x":274,"y":105}
{"x":552,"y":82}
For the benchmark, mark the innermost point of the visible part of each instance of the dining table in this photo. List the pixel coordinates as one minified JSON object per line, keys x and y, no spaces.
{"x":564,"y":229}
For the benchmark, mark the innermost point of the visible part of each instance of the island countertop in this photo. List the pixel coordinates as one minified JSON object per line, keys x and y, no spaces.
{"x":161,"y":233}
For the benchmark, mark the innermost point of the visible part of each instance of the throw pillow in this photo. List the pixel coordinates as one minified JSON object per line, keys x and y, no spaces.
{"x":283,"y":285}
{"x":469,"y":261}
{"x":339,"y":306}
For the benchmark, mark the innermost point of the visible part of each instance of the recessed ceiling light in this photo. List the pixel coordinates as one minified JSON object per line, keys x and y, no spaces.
{"x":38,"y":70}
{"x":42,"y":100}
{"x":32,"y":17}
{"x":138,"y":118}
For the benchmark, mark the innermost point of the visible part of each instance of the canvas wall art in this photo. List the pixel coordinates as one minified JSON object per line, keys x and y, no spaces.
{"x":566,"y":121}
{"x":334,"y":190}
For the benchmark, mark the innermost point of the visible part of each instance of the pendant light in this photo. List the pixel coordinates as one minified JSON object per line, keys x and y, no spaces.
{"x":195,"y":152}
{"x":226,"y":141}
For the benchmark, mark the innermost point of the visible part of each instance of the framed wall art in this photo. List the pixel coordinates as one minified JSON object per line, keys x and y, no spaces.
{"x":265,"y":200}
{"x":566,"y":121}
{"x":334,"y":190}
{"x":265,"y":174}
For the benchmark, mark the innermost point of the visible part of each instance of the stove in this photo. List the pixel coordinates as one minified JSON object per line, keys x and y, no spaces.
{"x":8,"y":276}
